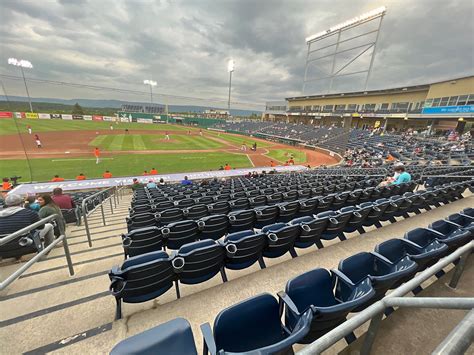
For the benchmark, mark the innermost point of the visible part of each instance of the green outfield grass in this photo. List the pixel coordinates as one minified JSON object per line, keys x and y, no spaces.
{"x":121,"y":165}
{"x":153,"y":142}
{"x":284,"y":154}
{"x":7,"y":126}
{"x":238,"y":140}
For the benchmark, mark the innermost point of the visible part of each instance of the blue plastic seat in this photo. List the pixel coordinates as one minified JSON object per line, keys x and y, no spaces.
{"x":243,"y":249}
{"x":307,"y":206}
{"x":373,"y":218}
{"x":172,"y":337}
{"x":281,"y":240}
{"x":198,"y":262}
{"x":195,"y":212}
{"x":213,"y":227}
{"x":253,"y":326}
{"x":219,"y":207}
{"x":329,"y":297}
{"x":359,"y":214}
{"x":463,"y":220}
{"x":468,"y":212}
{"x":311,"y":230}
{"x":266,"y":215}
{"x":168,"y":216}
{"x":428,"y":240}
{"x":324,"y":203}
{"x":396,"y":249}
{"x":382,"y":273}
{"x":180,"y":233}
{"x":337,"y":222}
{"x":141,"y":220}
{"x":452,"y":234}
{"x":239,"y":204}
{"x":142,"y":241}
{"x":141,"y":278}
{"x":287,"y":211}
{"x":241,"y":220}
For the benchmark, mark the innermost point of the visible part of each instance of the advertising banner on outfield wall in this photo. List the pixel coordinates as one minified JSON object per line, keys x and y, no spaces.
{"x":125,"y":119}
{"x":31,"y":115}
{"x":97,"y":118}
{"x":44,"y":116}
{"x":56,"y":116}
{"x":19,"y":115}
{"x":66,"y":117}
{"x":87,"y":117}
{"x":144,"y":120}
{"x":4,"y":114}
{"x":77,"y":117}
{"x":108,"y":118}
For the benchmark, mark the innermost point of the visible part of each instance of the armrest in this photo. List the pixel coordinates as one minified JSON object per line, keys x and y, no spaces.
{"x":341,"y":276}
{"x":439,"y":234}
{"x":209,"y":343}
{"x":284,"y":299}
{"x":466,"y":216}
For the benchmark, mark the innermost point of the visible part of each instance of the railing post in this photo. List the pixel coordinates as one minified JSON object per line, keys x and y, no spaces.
{"x":371,"y":334}
{"x":86,"y":227}
{"x":111,"y":207}
{"x":68,"y":255}
{"x":459,"y":269}
{"x":102,"y":211}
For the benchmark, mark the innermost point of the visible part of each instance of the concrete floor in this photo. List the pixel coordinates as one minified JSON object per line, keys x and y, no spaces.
{"x":48,"y":311}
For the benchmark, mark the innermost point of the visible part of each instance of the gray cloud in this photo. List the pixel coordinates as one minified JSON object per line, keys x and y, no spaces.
{"x":184,"y":45}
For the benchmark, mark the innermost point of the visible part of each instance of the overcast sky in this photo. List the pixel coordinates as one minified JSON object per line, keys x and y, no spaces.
{"x":185,"y":45}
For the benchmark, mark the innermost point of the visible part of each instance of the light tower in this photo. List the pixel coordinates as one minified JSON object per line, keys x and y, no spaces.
{"x":22,"y":63}
{"x":151,"y":83}
{"x":230,"y":69}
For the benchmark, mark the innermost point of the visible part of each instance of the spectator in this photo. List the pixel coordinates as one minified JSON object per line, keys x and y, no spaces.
{"x":227,"y":167}
{"x":6,"y":186}
{"x":30,"y":203}
{"x":63,"y":201}
{"x":48,"y":208}
{"x":162,"y":182}
{"x":151,"y":184}
{"x":81,"y":176}
{"x":221,"y":168}
{"x":145,"y":173}
{"x":403,"y":175}
{"x":186,"y":181}
{"x":107,"y":175}
{"x":56,"y":178}
{"x":272,"y":164}
{"x":153,"y":171}
{"x":136,"y":184}
{"x":14,"y":217}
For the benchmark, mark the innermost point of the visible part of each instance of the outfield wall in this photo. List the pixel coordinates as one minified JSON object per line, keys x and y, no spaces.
{"x":71,"y":185}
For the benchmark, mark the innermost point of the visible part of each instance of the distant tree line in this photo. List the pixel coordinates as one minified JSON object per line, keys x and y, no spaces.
{"x":48,"y":107}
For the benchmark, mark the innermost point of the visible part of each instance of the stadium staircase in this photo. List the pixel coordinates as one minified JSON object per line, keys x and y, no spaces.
{"x":46,"y":310}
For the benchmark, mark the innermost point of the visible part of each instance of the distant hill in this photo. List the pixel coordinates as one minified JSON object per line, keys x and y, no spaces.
{"x":91,"y":106}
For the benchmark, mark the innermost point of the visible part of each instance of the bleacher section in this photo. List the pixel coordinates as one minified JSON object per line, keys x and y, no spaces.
{"x":255,"y":235}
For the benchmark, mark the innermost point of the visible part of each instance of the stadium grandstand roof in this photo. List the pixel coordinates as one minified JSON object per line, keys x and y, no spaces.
{"x":402,"y":89}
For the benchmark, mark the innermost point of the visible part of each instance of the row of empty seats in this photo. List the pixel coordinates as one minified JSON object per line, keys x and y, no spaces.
{"x":313,"y":303}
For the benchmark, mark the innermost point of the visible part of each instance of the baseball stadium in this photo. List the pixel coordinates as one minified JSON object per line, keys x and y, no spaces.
{"x":336,"y":219}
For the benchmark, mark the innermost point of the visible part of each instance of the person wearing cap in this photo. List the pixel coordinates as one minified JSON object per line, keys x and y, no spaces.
{"x":15,"y":217}
{"x":401,"y":176}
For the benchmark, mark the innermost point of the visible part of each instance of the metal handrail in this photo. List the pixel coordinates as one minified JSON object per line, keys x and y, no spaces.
{"x":460,"y":338}
{"x":375,"y":311}
{"x":85,"y":212}
{"x":113,"y":198}
{"x":45,"y":251}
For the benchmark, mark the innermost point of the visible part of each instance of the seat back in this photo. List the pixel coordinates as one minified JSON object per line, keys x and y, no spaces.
{"x":281,"y":239}
{"x":213,"y":227}
{"x":246,"y":250}
{"x":249,"y":325}
{"x":198,"y":261}
{"x":357,"y":267}
{"x":241,"y":220}
{"x":179,"y":233}
{"x":143,"y":240}
{"x":168,"y":216}
{"x":266,"y":215}
{"x":196,"y":212}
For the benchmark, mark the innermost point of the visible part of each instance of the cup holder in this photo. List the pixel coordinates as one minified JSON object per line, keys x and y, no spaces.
{"x":178,"y":264}
{"x":272,"y":238}
{"x":231,"y":249}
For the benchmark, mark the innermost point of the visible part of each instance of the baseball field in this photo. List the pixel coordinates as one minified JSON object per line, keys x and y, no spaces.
{"x":126,"y":149}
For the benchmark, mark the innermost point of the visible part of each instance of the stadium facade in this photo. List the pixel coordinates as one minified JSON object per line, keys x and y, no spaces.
{"x":442,"y":105}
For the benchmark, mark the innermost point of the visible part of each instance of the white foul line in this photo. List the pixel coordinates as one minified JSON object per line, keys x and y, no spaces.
{"x":251,"y":162}
{"x":82,"y":159}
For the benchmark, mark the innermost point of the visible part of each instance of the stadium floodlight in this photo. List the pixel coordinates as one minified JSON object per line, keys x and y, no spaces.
{"x":355,"y":46}
{"x":230,"y":69}
{"x":353,"y":21}
{"x":151,"y":83}
{"x":22,"y":63}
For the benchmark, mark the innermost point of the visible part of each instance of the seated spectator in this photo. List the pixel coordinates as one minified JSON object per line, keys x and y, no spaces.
{"x":153,"y":171}
{"x":15,"y":217}
{"x":145,"y":173}
{"x":221,"y":168}
{"x":81,"y":176}
{"x":107,"y":175}
{"x":6,"y":186}
{"x":162,"y":182}
{"x":186,"y":181}
{"x":48,"y":208}
{"x":136,"y":184}
{"x":30,"y":203}
{"x":403,"y":175}
{"x":151,"y":184}
{"x":227,"y":167}
{"x":64,"y":202}
{"x":56,"y":178}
